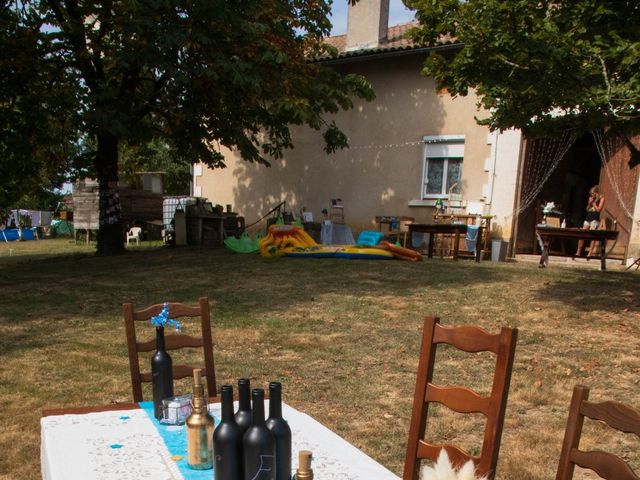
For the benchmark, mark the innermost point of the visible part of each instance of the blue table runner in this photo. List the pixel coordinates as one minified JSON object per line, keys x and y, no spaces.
{"x":175,"y":438}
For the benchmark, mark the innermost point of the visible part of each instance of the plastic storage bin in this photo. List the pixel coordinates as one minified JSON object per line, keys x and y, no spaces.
{"x":499,"y":250}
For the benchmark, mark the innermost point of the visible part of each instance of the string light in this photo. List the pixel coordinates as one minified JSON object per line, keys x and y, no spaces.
{"x":370,"y":146}
{"x":597,"y":136}
{"x":543,"y":158}
{"x":388,"y":145}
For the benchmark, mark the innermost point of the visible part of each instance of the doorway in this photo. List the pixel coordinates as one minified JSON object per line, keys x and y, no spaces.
{"x":569,"y":177}
{"x":567,"y":186}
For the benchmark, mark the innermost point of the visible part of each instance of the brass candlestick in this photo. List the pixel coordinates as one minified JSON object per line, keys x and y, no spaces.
{"x":199,"y":428}
{"x":304,"y":471}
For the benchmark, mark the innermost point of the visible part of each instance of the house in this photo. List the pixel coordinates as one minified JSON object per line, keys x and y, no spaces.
{"x":413,"y":146}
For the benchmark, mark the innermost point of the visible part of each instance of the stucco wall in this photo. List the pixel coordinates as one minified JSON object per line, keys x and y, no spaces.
{"x":382,"y":171}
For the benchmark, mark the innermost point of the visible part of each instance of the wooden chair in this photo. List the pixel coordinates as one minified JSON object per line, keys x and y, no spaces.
{"x":617,"y":415}
{"x":403,"y":229}
{"x":172,"y":342}
{"x":460,"y":399}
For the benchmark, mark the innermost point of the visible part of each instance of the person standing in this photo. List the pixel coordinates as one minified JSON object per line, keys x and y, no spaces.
{"x":595,"y":204}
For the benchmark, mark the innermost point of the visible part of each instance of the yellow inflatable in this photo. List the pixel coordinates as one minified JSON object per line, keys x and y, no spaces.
{"x":293,"y":241}
{"x":283,"y":238}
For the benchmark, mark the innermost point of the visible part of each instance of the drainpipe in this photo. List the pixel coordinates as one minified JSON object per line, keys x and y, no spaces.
{"x":192,"y":180}
{"x":492,"y":168}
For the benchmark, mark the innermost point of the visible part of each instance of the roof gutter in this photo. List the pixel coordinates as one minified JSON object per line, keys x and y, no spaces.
{"x":361,"y":57}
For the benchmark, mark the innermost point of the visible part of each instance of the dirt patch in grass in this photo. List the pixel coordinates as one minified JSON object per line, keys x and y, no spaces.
{"x":343,"y":337}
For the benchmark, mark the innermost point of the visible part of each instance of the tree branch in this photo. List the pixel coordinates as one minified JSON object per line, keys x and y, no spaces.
{"x":74,"y":28}
{"x":605,"y":76}
{"x":612,"y":109}
{"x":503,"y":59}
{"x":158,"y":85}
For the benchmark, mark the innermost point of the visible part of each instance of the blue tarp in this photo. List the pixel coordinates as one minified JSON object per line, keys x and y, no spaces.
{"x":472,"y":237}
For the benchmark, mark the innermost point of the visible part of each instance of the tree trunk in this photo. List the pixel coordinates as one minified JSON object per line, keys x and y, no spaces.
{"x":110,"y":233}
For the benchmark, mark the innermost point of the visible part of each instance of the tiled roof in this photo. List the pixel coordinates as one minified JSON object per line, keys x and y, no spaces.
{"x":396,"y":41}
{"x":395,"y":38}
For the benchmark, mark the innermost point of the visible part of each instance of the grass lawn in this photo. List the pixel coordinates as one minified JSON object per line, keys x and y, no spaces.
{"x":342,"y":335}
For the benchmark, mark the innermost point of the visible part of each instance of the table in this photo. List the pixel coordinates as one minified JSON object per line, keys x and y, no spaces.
{"x":201,"y":221}
{"x":123,"y":442}
{"x":547,"y":234}
{"x":456,"y":229}
{"x":483,"y":220}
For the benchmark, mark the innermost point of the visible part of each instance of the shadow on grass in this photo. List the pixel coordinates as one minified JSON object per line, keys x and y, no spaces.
{"x":241,"y":288}
{"x":588,"y":290}
{"x":245,"y":290}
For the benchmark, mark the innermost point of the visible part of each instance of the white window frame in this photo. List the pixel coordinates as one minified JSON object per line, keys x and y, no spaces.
{"x":440,"y":146}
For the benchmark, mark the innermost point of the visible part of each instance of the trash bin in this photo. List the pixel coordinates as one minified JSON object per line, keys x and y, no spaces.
{"x":499,"y":250}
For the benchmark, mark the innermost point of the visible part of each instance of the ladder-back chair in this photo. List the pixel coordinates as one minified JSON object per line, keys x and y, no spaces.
{"x":617,"y":416}
{"x":460,"y":399}
{"x":172,"y":342}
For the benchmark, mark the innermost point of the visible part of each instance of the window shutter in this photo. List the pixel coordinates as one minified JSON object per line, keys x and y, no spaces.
{"x":445,"y":150}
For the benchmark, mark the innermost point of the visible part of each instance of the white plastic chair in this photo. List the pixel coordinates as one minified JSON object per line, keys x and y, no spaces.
{"x":134,"y":234}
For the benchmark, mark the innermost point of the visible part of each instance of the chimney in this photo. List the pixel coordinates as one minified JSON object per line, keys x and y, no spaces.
{"x":367,"y":24}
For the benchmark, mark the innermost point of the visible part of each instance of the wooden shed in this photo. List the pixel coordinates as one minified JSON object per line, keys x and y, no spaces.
{"x":138,"y":207}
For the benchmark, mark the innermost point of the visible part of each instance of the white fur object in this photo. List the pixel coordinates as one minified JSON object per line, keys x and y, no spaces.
{"x":443,"y":470}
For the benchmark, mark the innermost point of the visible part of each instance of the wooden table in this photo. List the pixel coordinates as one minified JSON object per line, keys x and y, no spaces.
{"x":203,"y":221}
{"x":482,"y":220}
{"x":547,"y":234}
{"x":124,"y":442}
{"x":455,"y":229}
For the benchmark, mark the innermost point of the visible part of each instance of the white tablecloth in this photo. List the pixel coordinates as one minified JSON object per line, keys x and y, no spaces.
{"x":123,"y":445}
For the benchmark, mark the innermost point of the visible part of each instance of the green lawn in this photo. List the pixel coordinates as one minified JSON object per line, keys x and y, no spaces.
{"x":342,"y":335}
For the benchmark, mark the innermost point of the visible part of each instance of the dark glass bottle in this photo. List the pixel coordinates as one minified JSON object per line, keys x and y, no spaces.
{"x":259,"y":445}
{"x":161,"y":374}
{"x":243,"y":415}
{"x":281,"y":431}
{"x":227,"y":441}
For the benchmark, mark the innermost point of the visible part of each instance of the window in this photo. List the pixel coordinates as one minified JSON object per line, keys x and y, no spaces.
{"x":442,"y":171}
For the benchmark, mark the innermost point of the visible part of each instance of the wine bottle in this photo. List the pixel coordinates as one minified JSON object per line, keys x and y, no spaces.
{"x":161,"y":374}
{"x":243,"y":415}
{"x":304,"y":471}
{"x":281,"y":431}
{"x":199,"y":428}
{"x":227,"y":441}
{"x":258,"y":444}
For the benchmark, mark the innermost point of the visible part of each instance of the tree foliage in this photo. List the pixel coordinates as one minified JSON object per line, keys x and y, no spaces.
{"x":37,"y":121}
{"x":194,"y":73}
{"x":539,"y":65}
{"x":156,"y":156}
